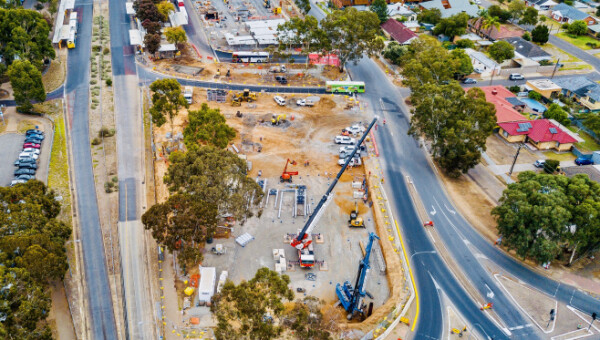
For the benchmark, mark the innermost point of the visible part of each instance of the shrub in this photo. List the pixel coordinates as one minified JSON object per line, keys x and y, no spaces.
{"x":93,"y":82}
{"x":106,"y":50}
{"x":96,"y":141}
{"x":115,"y":179}
{"x":551,"y":166}
{"x":96,"y":48}
{"x":108,"y":82}
{"x":526,"y":36}
{"x":465,"y":43}
{"x":106,"y":132}
{"x":545,"y":62}
{"x":39,"y":6}
{"x":565,"y":26}
{"x":514,"y":88}
{"x":534,"y":95}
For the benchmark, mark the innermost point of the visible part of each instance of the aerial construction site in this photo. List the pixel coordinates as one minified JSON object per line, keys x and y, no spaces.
{"x":320,"y":221}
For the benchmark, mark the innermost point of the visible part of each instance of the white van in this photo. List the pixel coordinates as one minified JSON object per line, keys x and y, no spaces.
{"x":344,"y":140}
{"x":279,"y":100}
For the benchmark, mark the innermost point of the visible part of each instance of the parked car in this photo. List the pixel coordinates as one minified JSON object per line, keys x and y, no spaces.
{"x":32,"y":150}
{"x":34,"y":140}
{"x":281,"y":79}
{"x":28,"y":166}
{"x":31,"y":145}
{"x":583,"y":161}
{"x":344,"y":140}
{"x":516,"y":76}
{"x":469,"y":81}
{"x":38,"y":134}
{"x":279,"y":100}
{"x":24,"y":172}
{"x":36,"y":131}
{"x":355,"y":161}
{"x":349,"y":148}
{"x":23,"y":155}
{"x":25,"y":177}
{"x":17,"y":181}
{"x":539,"y":163}
{"x":355,"y":129}
{"x":24,"y":161}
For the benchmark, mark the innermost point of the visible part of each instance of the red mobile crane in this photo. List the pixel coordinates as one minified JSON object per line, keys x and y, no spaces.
{"x":286,"y":176}
{"x":302,"y":241}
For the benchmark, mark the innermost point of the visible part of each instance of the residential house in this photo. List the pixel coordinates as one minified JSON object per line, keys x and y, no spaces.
{"x":482,"y":64}
{"x":397,"y":31}
{"x":449,"y":8}
{"x":516,"y":103}
{"x":593,"y":171}
{"x":546,"y":87}
{"x":505,"y":110}
{"x":582,"y":90}
{"x":541,"y":5}
{"x":565,"y":13}
{"x":526,"y":49}
{"x":494,"y":33}
{"x":541,"y":133}
{"x":346,"y":3}
{"x":400,"y":10}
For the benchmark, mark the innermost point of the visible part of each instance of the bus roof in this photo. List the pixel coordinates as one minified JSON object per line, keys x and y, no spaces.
{"x":345,"y":83}
{"x":251,"y":53}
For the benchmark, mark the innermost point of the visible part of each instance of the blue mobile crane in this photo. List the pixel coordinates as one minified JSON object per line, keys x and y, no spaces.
{"x":351,"y":297}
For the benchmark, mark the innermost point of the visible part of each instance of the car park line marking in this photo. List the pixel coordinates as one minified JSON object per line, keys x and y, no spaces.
{"x":556,"y":291}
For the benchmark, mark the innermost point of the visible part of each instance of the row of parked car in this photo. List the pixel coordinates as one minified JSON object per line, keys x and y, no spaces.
{"x":350,"y":145}
{"x":27,"y":162}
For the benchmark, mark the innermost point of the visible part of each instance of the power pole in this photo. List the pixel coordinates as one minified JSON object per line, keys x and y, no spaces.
{"x":515,"y":159}
{"x":555,"y":67}
{"x":593,"y":318}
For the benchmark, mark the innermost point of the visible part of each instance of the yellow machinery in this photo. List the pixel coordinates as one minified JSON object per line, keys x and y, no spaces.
{"x":355,"y":221}
{"x":277,"y":10}
{"x":276,"y":119}
{"x":458,"y":331}
{"x":244,"y":96}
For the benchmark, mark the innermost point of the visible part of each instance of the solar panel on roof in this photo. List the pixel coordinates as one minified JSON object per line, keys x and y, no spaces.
{"x":553,"y":131}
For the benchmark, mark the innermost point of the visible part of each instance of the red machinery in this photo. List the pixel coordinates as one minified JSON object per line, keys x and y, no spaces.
{"x":286,"y":176}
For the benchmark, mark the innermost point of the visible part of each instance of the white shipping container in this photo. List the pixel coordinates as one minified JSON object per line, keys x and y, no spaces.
{"x":206,"y":289}
{"x":222,"y":279}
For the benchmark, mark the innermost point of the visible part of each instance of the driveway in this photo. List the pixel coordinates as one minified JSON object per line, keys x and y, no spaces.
{"x":12,"y":144}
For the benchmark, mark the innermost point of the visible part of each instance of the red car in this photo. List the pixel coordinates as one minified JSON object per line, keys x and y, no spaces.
{"x":31,"y":145}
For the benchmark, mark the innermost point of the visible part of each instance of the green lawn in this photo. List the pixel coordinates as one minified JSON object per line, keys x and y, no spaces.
{"x":556,"y":52}
{"x":579,"y":41}
{"x":58,"y":174}
{"x":566,"y":156}
{"x":589,"y":144}
{"x":576,"y":67}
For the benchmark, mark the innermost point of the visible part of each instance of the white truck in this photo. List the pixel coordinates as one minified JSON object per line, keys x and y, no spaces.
{"x":305,"y":102}
{"x":206,"y":288}
{"x":188,"y":93}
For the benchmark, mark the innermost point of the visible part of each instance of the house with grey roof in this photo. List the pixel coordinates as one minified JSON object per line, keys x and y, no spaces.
{"x":449,"y":8}
{"x":526,"y":49}
{"x":541,"y":5}
{"x":593,"y":171}
{"x":581,"y":89}
{"x":565,"y":13}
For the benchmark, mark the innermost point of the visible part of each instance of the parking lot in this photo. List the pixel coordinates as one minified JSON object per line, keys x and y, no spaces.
{"x":12,"y":144}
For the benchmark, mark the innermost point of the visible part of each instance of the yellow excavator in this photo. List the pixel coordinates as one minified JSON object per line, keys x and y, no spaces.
{"x":244,"y":96}
{"x":355,"y":221}
{"x":277,"y":119}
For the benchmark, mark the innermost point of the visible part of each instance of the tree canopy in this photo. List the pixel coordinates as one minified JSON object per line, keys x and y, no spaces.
{"x":558,"y":114}
{"x":541,"y":215}
{"x":216,"y":176}
{"x":430,"y":16}
{"x":455,"y":122}
{"x":577,"y":27}
{"x":26,"y":81}
{"x":497,"y":12}
{"x":540,"y":34}
{"x":529,"y":17}
{"x":152,"y":43}
{"x":32,"y":254}
{"x":207,"y":126}
{"x":380,"y":8}
{"x":147,"y":10}
{"x":254,"y":305}
{"x":175,"y":35}
{"x":501,"y":51}
{"x":167,"y":99}
{"x":351,"y":34}
{"x":165,"y":8}
{"x":302,"y":32}
{"x":452,"y":26}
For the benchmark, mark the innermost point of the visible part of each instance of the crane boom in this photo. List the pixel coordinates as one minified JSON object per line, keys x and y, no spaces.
{"x":298,"y":241}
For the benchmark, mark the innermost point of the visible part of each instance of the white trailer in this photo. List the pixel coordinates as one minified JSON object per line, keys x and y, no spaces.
{"x":222,"y":280}
{"x":206,"y":288}
{"x":188,"y":94}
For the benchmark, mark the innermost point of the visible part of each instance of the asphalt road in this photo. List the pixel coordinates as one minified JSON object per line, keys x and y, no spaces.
{"x":101,"y":312}
{"x":139,"y":320}
{"x":576,"y":51}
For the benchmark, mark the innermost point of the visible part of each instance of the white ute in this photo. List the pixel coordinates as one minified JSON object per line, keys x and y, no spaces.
{"x":344,"y":140}
{"x":355,"y":129}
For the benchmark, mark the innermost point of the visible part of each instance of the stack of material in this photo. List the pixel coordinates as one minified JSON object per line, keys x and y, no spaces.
{"x":244,"y":239}
{"x":219,"y":96}
{"x":280,"y":262}
{"x":222,"y":279}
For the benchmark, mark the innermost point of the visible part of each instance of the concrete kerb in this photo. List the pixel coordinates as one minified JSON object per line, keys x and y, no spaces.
{"x":400,"y":311}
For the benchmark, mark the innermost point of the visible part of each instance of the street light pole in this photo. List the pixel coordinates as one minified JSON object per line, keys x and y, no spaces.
{"x":515,"y":159}
{"x":551,"y":318}
{"x":594,"y":315}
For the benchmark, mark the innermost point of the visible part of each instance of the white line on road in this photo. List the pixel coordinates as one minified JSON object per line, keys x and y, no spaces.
{"x":432,"y":212}
{"x":449,"y":210}
{"x":490,"y":293}
{"x":431,"y":235}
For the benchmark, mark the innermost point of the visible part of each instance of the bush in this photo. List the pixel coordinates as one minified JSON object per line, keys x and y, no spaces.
{"x":534,"y":95}
{"x":39,"y":6}
{"x":465,"y":43}
{"x":514,"y":88}
{"x":526,"y":36}
{"x":551,"y":166}
{"x":93,"y":82}
{"x":96,"y":48}
{"x":106,"y":132}
{"x":108,"y":82}
{"x":565,"y":26}
{"x":545,"y":62}
{"x":106,"y":50}
{"x":96,"y":141}
{"x":115,"y":179}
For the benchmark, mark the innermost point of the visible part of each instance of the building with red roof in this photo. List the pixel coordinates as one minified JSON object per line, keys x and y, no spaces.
{"x":505,"y":111}
{"x":397,"y":31}
{"x":541,"y":133}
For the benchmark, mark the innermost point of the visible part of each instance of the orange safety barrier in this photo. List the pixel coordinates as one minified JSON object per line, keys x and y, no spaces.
{"x":374,"y":144}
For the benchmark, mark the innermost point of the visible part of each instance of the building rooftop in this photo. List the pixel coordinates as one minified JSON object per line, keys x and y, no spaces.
{"x":580,"y":85}
{"x":527,"y":49}
{"x":544,"y":84}
{"x":505,"y":111}
{"x":540,"y":130}
{"x":482,"y":58}
{"x":570,"y":12}
{"x":505,"y":31}
{"x":593,"y":171}
{"x":398,"y":31}
{"x":449,"y":8}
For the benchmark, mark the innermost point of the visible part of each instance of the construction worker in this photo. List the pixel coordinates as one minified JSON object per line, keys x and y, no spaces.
{"x":384,"y":122}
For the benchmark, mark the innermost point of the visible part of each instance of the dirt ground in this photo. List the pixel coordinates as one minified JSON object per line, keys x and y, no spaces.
{"x":502,"y":152}
{"x":305,"y":136}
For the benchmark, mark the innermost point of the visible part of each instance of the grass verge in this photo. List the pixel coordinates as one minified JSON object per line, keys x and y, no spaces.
{"x":576,"y":67}
{"x":55,"y":76}
{"x":25,"y":125}
{"x":58,"y":175}
{"x":561,"y":157}
{"x":579,"y":41}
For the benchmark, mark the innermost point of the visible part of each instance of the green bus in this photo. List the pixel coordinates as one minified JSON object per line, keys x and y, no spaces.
{"x":345,"y":87}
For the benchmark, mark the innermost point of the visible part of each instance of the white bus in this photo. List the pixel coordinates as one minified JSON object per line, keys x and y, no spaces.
{"x":250,"y":57}
{"x":72,"y":30}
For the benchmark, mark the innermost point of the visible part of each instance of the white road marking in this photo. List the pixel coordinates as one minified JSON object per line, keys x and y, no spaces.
{"x":431,"y":235}
{"x":578,"y":313}
{"x":449,"y":210}
{"x":576,"y":337}
{"x":490,"y":293}
{"x":433,"y":212}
